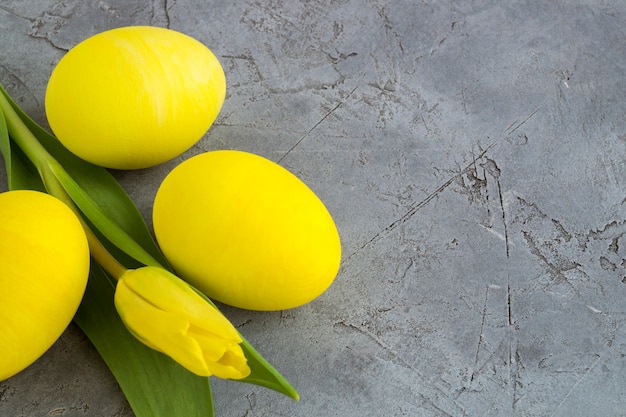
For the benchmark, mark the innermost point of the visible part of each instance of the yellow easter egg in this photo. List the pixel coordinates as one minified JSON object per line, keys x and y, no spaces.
{"x":44,"y":264}
{"x":134,"y":97}
{"x":246,"y":231}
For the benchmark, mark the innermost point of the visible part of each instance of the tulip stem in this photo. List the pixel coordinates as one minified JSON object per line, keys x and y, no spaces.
{"x":102,"y":255}
{"x":42,"y":160}
{"x":25,"y":138}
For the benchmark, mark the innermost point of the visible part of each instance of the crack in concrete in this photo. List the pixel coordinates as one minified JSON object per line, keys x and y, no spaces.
{"x":54,"y":19}
{"x":341,"y":103}
{"x":48,"y":41}
{"x":160,"y":13}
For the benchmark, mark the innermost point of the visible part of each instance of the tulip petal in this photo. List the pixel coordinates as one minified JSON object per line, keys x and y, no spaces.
{"x":231,"y":365}
{"x":168,"y":292}
{"x":160,"y":330}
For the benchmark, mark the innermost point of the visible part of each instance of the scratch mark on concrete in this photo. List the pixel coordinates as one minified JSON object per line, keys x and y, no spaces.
{"x":509,"y":296}
{"x":575,"y":385}
{"x":517,"y":124}
{"x":379,"y":342}
{"x":507,"y":241}
{"x":317,"y":124}
{"x":13,"y":13}
{"x":514,"y":363}
{"x":431,"y":404}
{"x":414,"y":208}
{"x":495,"y":233}
{"x":480,"y":336}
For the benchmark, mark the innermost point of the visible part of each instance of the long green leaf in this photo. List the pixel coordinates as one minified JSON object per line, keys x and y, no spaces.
{"x":154,"y":384}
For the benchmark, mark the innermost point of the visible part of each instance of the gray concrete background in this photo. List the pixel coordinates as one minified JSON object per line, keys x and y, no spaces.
{"x":472,"y":155}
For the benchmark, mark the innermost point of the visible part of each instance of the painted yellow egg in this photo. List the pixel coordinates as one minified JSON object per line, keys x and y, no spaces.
{"x":246,"y":231}
{"x":134,"y":97}
{"x":44,"y":264}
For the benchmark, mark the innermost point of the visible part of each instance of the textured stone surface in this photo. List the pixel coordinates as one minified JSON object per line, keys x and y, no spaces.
{"x":472,"y":154}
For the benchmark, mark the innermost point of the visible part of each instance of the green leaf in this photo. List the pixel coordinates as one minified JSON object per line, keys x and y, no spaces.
{"x":154,"y":384}
{"x":24,"y":175}
{"x":264,"y":374}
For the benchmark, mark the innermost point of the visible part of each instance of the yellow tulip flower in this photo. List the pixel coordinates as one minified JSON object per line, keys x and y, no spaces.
{"x":168,"y":315}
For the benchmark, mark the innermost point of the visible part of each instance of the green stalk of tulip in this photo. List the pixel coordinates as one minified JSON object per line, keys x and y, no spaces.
{"x":154,"y":384}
